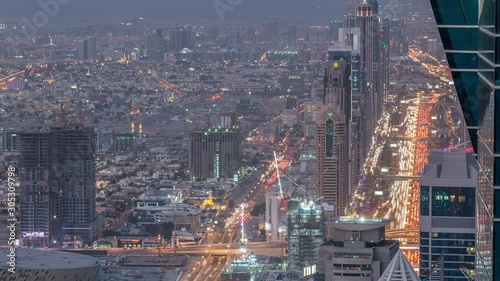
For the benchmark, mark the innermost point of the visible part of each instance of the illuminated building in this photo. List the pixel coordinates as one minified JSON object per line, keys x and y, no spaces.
{"x":10,"y":140}
{"x":358,"y":251}
{"x":57,"y":175}
{"x":214,"y":153}
{"x":124,"y":142}
{"x":331,"y":140}
{"x":448,"y":214}
{"x":305,"y":233}
{"x":469,"y":31}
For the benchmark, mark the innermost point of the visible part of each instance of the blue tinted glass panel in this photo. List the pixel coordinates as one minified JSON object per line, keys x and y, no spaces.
{"x":453,"y":201}
{"x":496,"y":128}
{"x":448,"y":12}
{"x":457,"y":39}
{"x":466,"y":85}
{"x":496,"y":180}
{"x":496,"y":245}
{"x":497,"y":194}
{"x":462,"y":61}
{"x":473,"y":138}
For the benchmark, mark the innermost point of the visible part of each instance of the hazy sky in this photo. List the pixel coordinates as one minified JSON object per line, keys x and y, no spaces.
{"x":310,"y":10}
{"x":315,"y":11}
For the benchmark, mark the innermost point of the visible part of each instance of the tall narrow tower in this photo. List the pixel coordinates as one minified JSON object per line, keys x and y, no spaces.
{"x":365,"y":22}
{"x":331,"y":140}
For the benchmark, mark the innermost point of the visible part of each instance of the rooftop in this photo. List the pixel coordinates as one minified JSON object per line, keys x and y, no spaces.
{"x":50,"y":260}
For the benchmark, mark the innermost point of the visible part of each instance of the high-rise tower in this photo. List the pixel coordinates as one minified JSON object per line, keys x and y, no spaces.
{"x":365,"y":22}
{"x":57,"y":175}
{"x":469,"y":32}
{"x":331,"y":140}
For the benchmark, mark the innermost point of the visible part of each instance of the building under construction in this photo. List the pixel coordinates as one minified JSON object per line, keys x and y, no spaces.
{"x":57,"y":174}
{"x":305,"y":220}
{"x":214,"y":153}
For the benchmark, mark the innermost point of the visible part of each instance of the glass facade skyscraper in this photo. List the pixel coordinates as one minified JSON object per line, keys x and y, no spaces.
{"x":470,"y":34}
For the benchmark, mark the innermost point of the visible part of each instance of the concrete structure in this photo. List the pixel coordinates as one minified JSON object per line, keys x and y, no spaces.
{"x":357,"y":251}
{"x":124,"y":142}
{"x":57,"y":175}
{"x":399,"y":270}
{"x":447,"y":213}
{"x":214,"y":153}
{"x":49,"y":265}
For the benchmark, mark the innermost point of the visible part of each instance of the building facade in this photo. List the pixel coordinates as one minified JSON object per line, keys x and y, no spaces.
{"x":448,"y":214}
{"x":214,"y":153}
{"x":331,"y":140}
{"x":357,"y":251}
{"x":57,"y":174}
{"x":468,"y":30}
{"x":305,"y":221}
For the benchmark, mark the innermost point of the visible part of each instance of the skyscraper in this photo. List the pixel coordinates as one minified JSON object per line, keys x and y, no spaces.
{"x":214,"y":153}
{"x":155,"y":45}
{"x":448,"y":214}
{"x":365,"y":22}
{"x":305,"y":222}
{"x":468,"y":30}
{"x":331,"y":140}
{"x":182,"y":38}
{"x":57,"y":175}
{"x":88,"y":48}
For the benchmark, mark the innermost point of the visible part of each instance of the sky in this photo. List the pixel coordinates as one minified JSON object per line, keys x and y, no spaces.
{"x":310,"y":11}
{"x":307,"y":10}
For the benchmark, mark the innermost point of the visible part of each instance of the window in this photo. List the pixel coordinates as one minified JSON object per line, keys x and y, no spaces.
{"x":453,"y":201}
{"x":424,"y":201}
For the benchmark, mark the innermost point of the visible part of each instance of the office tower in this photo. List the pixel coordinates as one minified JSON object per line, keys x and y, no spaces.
{"x":305,"y":233}
{"x":10,"y":140}
{"x":272,"y":223}
{"x":182,"y":38}
{"x":123,"y":142}
{"x":351,"y":10}
{"x":468,"y":30}
{"x":383,"y":63}
{"x":155,"y":44}
{"x":138,"y":26}
{"x":364,"y":21}
{"x":227,"y":119}
{"x":271,"y":31}
{"x":57,"y":176}
{"x":88,"y":48}
{"x":332,"y":141}
{"x":447,"y":214}
{"x":311,"y":109}
{"x":214,"y":153}
{"x":358,"y":251}
{"x":335,"y":25}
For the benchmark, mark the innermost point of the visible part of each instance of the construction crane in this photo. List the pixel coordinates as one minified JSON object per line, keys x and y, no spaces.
{"x":63,"y":112}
